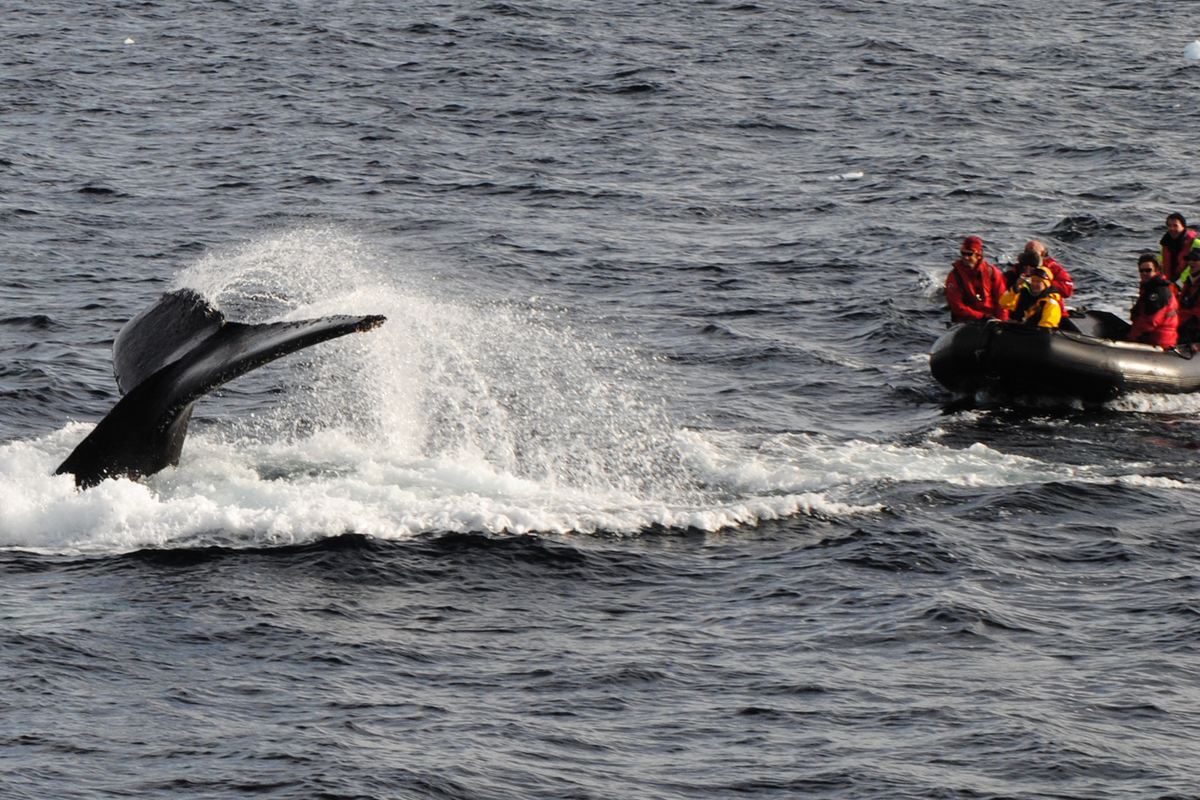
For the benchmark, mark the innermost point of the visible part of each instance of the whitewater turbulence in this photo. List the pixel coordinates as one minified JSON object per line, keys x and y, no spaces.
{"x":459,"y":415}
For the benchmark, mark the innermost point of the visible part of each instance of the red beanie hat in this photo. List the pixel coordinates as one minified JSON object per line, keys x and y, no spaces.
{"x":973,"y":244}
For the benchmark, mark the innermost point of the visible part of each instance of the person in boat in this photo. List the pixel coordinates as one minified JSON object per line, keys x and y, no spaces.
{"x":1155,"y":315}
{"x":1036,"y":301}
{"x":1175,"y":244}
{"x":1016,"y":281}
{"x":1014,"y":274}
{"x":974,"y":286}
{"x":1063,"y":284}
{"x":1189,"y":299}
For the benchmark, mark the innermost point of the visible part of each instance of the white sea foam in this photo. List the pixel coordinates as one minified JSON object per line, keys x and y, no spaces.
{"x":246,"y":491}
{"x":803,"y":462}
{"x":1142,"y":402}
{"x":279,"y":492}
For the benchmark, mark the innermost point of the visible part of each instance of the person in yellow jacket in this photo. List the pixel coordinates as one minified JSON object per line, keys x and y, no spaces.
{"x":1034,"y":301}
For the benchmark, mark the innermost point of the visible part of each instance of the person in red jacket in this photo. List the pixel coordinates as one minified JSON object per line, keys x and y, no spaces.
{"x":1155,"y":315}
{"x":1176,"y":243}
{"x":1189,"y":299}
{"x":974,"y":286}
{"x":1062,"y":282}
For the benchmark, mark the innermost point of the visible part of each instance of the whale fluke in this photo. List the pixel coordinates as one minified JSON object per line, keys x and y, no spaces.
{"x":165,"y":359}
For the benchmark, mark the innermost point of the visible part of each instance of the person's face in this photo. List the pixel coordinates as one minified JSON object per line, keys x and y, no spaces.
{"x":1146,"y":271}
{"x":1174,"y":227}
{"x":1038,"y":282}
{"x":970,"y":257}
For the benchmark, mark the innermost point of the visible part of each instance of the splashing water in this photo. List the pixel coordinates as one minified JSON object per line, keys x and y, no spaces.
{"x":515,"y":388}
{"x":455,"y":415}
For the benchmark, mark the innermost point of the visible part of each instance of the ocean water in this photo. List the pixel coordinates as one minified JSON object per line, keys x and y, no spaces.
{"x":644,"y":489}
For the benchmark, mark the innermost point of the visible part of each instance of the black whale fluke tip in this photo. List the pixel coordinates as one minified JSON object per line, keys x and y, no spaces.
{"x":168,"y":357}
{"x":371,"y":322}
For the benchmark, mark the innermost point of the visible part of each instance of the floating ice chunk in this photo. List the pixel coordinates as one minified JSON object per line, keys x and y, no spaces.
{"x":847,"y":176}
{"x":129,"y":40}
{"x":1192,"y":51}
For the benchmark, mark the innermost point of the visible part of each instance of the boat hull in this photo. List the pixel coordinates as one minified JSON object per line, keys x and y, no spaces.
{"x":1026,"y":360}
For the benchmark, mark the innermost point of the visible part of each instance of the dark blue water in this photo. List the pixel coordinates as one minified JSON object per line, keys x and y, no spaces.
{"x":644,"y":489}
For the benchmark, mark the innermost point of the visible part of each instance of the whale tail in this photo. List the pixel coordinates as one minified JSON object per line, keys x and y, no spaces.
{"x":164,"y":360}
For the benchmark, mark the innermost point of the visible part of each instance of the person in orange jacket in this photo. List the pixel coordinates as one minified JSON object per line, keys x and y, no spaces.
{"x":1035,"y":300}
{"x":974,"y":286}
{"x":1016,"y":280}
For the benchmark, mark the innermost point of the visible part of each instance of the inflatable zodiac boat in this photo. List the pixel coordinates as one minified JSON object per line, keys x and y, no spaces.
{"x":1086,"y":359}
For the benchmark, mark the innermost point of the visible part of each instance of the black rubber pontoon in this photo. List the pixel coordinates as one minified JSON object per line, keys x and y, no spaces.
{"x":1088,"y":361}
